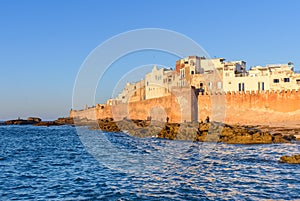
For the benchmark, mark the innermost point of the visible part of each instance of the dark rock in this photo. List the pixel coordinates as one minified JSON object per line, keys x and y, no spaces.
{"x":19,"y":122}
{"x":47,"y":123}
{"x":108,"y":124}
{"x":170,"y":131}
{"x":295,"y":159}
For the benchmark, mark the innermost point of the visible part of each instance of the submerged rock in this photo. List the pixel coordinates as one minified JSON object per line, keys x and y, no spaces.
{"x":294,"y":159}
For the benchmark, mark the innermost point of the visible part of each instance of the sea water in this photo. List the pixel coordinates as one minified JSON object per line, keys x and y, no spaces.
{"x":65,"y":163}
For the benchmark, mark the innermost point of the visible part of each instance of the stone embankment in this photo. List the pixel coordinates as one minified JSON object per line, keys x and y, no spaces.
{"x":202,"y":132}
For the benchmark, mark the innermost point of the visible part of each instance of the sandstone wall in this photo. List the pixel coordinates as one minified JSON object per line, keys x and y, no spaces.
{"x":244,"y":108}
{"x":251,"y":108}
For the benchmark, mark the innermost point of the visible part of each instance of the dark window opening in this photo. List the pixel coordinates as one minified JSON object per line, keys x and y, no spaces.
{"x":275,"y":80}
{"x":287,"y":79}
{"x":192,"y":72}
{"x":241,"y":86}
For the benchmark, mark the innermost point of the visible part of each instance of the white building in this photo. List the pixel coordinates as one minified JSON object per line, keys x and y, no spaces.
{"x":211,"y":75}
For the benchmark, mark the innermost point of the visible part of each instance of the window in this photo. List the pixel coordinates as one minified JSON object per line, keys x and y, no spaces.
{"x":287,"y":79}
{"x":181,"y":73}
{"x":241,"y":86}
{"x":261,"y":86}
{"x":201,"y":84}
{"x":275,"y":80}
{"x":192,"y":72}
{"x":186,"y":62}
{"x":219,"y":85}
{"x":298,"y":82}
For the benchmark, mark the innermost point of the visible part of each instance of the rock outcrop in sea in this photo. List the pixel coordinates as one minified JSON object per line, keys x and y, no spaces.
{"x":35,"y":121}
{"x":28,"y":121}
{"x":294,"y":159}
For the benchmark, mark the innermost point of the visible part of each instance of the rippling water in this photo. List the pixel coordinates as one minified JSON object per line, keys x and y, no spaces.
{"x":59,"y":163}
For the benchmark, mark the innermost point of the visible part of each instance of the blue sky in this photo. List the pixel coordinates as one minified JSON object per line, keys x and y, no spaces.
{"x":44,"y":43}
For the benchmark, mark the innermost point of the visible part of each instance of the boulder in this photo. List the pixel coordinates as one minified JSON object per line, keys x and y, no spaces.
{"x":294,"y":159}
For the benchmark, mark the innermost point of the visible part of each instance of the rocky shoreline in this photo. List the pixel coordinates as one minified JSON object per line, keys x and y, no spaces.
{"x":201,"y":132}
{"x":193,"y":131}
{"x":198,"y":132}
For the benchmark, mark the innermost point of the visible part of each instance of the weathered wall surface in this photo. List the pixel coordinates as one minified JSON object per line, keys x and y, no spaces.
{"x":244,"y":108}
{"x":251,"y":108}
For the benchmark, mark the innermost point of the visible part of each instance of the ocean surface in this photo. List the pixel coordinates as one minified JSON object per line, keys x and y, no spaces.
{"x":65,"y":163}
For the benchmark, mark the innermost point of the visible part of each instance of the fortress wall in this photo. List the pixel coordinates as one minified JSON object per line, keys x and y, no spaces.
{"x":176,"y":106}
{"x":81,"y":114}
{"x":251,"y":107}
{"x":172,"y":106}
{"x":234,"y":107}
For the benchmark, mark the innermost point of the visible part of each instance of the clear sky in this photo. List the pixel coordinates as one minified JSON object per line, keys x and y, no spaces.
{"x":44,"y":43}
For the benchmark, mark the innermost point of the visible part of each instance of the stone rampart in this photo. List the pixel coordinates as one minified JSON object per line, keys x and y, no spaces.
{"x":250,"y":107}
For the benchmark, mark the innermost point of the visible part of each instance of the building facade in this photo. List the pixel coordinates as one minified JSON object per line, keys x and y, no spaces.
{"x":210,"y":76}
